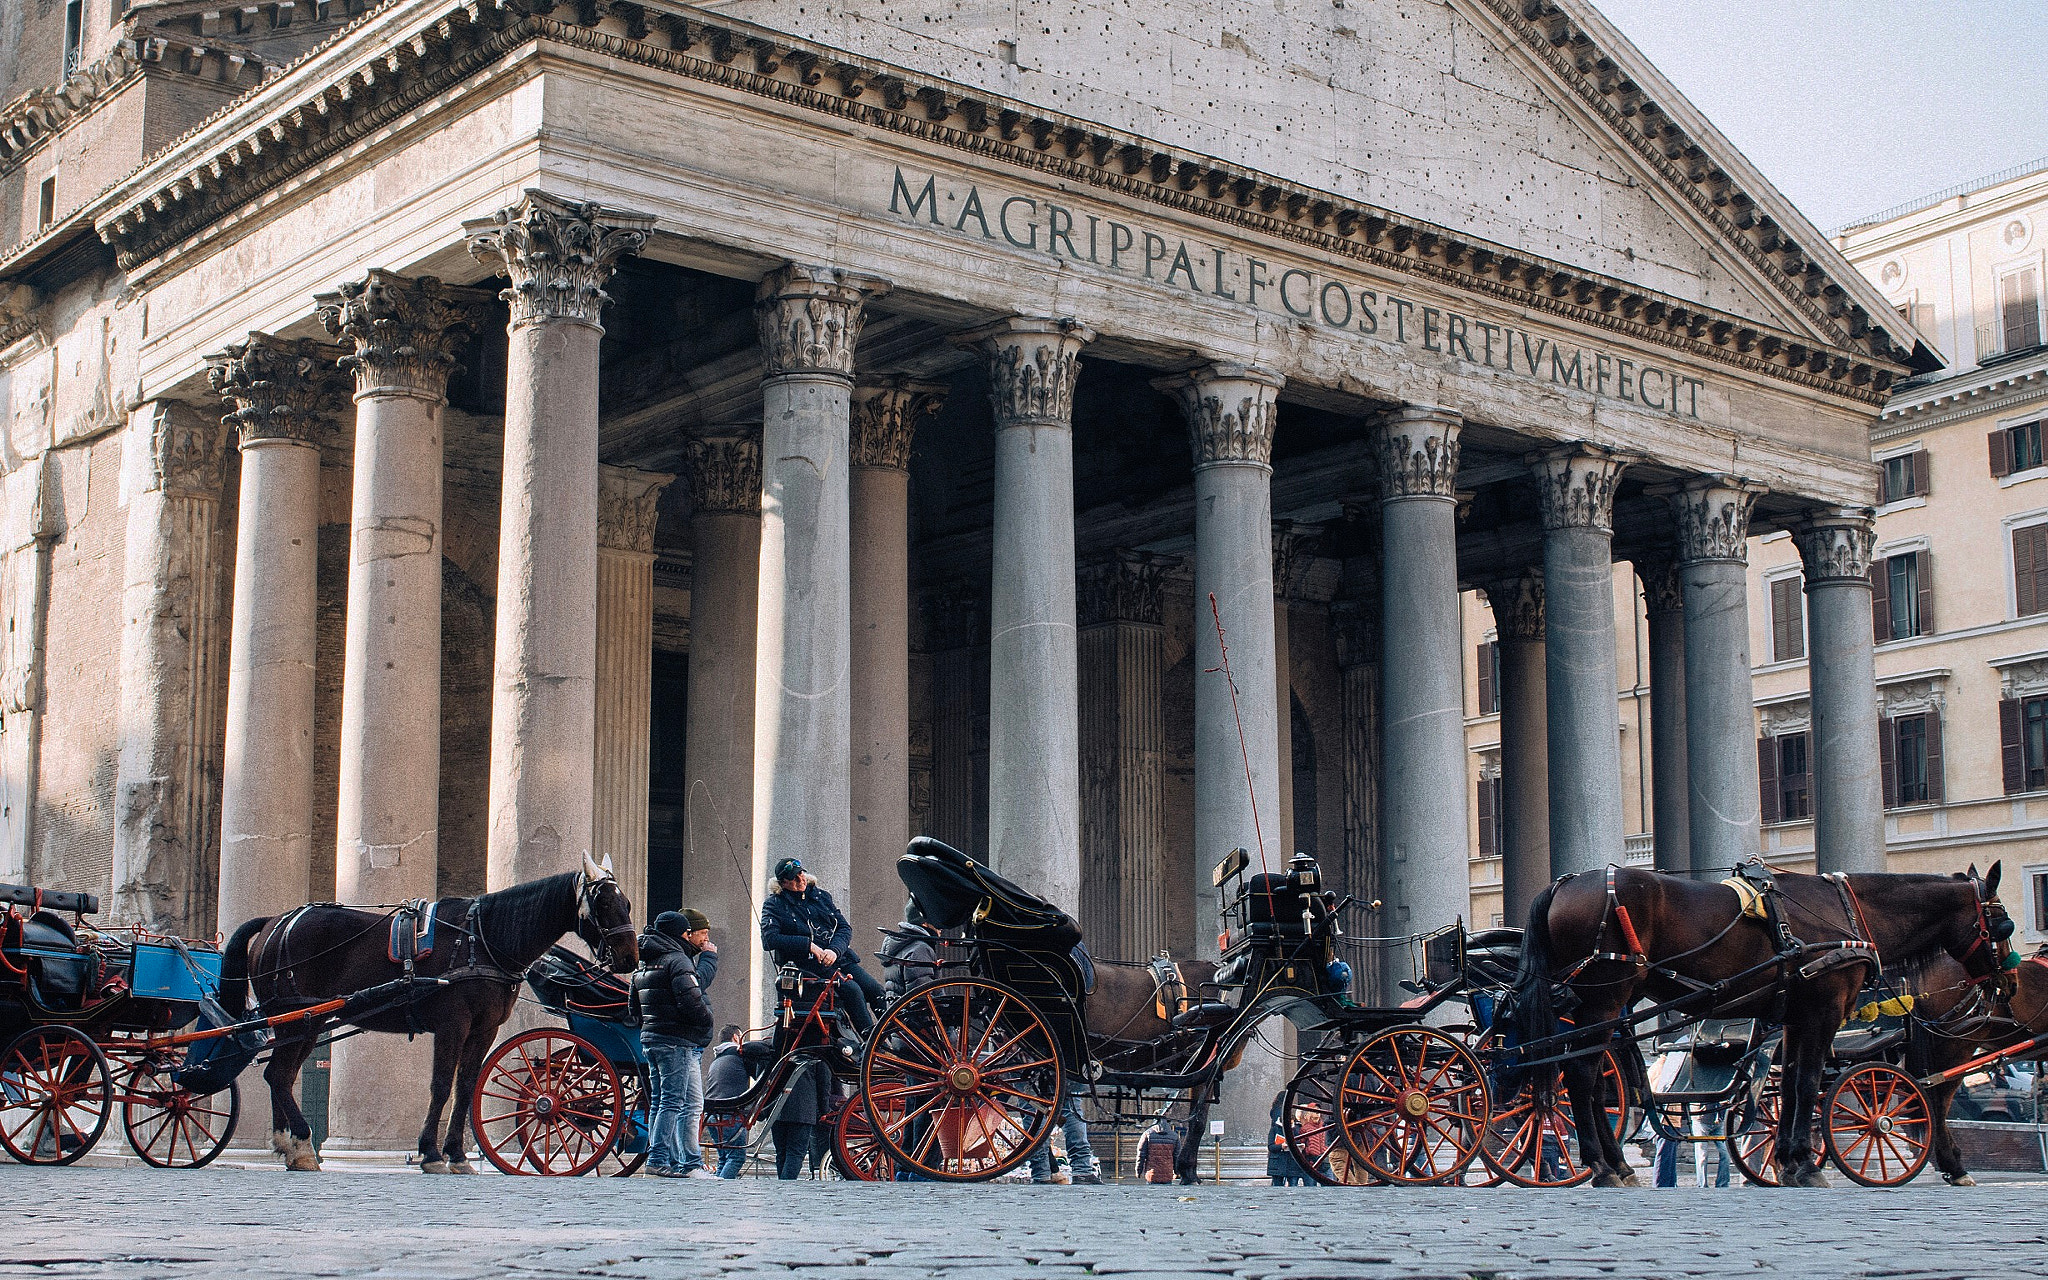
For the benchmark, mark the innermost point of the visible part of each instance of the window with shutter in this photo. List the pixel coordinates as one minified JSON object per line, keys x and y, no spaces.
{"x":1488,"y":661}
{"x":1909,"y":754}
{"x":1923,"y":579}
{"x":2019,"y":305}
{"x":2011,"y":751}
{"x":2030,"y":570}
{"x":1788,"y":620}
{"x":1767,"y":779}
{"x":1931,"y":725}
{"x":1902,"y":590}
{"x":1896,"y":484}
{"x":1923,"y":473}
{"x":1792,"y":776}
{"x":2034,"y":742}
{"x":1888,"y":761}
{"x":1880,"y":602}
{"x":2001,"y":453}
{"x":2023,"y":446}
{"x":1489,"y":815}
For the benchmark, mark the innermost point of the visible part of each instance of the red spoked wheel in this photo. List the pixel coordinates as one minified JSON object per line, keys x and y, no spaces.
{"x":1531,"y":1136}
{"x":1312,"y":1131}
{"x":56,"y":1095}
{"x":962,"y":1079}
{"x":858,"y":1154}
{"x":172,"y":1127}
{"x":1753,"y":1133}
{"x":549,"y":1103}
{"x":1880,"y":1129}
{"x":1413,"y":1105}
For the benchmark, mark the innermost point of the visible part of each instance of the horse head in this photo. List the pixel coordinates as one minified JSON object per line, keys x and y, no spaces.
{"x":1983,"y":943}
{"x":604,"y":916}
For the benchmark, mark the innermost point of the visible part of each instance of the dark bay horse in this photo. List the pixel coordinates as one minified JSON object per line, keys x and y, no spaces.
{"x":1961,"y":1019}
{"x":482,"y":946}
{"x":1124,"y":1028}
{"x":1629,"y":934}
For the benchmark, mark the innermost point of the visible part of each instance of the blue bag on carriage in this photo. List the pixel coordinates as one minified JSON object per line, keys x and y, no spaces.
{"x":212,"y":1065}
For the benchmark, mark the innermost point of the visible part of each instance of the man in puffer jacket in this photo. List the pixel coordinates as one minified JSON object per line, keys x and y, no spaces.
{"x":675,"y":1026}
{"x":801,"y":925}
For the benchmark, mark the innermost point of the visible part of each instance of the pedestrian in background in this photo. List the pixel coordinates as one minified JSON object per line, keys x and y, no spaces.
{"x":725,"y":1081}
{"x":1281,"y":1166}
{"x":806,"y":1099}
{"x":675,"y":1025}
{"x":1156,"y":1151}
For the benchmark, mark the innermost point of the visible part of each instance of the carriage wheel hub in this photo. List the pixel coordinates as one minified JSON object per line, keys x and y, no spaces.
{"x":1884,"y":1124}
{"x":544,"y":1105}
{"x":1414,"y":1103}
{"x":964,"y":1078}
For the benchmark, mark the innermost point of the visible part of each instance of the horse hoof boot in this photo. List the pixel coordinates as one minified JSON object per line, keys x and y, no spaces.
{"x":1962,"y":1180}
{"x":282,"y":1142}
{"x":1811,"y":1176}
{"x":302,"y":1158}
{"x":1631,"y":1180}
{"x":433,"y":1166}
{"x":1609,"y":1180}
{"x":461,"y":1166}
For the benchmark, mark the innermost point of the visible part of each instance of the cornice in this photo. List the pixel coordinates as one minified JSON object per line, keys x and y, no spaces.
{"x":39,"y":113}
{"x":1957,"y":399}
{"x":338,"y":95}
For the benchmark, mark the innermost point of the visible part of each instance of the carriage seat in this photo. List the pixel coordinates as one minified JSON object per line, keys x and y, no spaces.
{"x":567,"y":983}
{"x":1202,"y":1014}
{"x":62,"y":972}
{"x":954,"y":890}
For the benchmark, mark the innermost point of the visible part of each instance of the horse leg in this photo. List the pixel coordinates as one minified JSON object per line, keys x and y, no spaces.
{"x":1598,"y":1147}
{"x":468,"y":1066}
{"x":290,"y":1135}
{"x":447,"y":1045}
{"x":1187,"y":1157}
{"x":1948,"y":1157}
{"x":1807,"y":1048}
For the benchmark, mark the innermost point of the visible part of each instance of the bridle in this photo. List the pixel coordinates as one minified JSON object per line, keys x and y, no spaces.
{"x":1993,"y":937}
{"x":599,"y":938}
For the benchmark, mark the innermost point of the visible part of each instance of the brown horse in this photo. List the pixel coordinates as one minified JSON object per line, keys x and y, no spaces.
{"x":1961,"y":1020}
{"x":1601,"y":943}
{"x":1126,"y":1031}
{"x":482,"y":947}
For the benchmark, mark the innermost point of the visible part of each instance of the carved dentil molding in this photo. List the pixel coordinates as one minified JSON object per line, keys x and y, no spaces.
{"x":559,"y":254}
{"x":1835,"y":545}
{"x":1031,"y":366}
{"x":1127,"y":586}
{"x":1575,"y":486}
{"x":626,"y":502}
{"x":1713,"y":518}
{"x":1230,"y":411}
{"x":886,"y":416}
{"x":405,"y":332}
{"x":1518,"y":605}
{"x":277,"y":389}
{"x":1663,"y":588}
{"x":187,"y":450}
{"x":724,"y":474}
{"x":809,"y":319}
{"x":1416,"y":449}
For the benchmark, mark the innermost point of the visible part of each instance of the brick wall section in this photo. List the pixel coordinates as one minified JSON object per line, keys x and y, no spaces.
{"x":71,"y":840}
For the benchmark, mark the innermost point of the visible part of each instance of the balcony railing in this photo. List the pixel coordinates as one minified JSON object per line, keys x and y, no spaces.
{"x":1639,"y":850}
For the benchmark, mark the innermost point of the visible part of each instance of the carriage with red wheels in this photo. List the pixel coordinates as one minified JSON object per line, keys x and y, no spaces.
{"x":89,"y":1023}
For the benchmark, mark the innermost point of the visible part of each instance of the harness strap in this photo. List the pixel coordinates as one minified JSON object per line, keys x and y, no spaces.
{"x":1615,"y":908}
{"x":1852,"y":909}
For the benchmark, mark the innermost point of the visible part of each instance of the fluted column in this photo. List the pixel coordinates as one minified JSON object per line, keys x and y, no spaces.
{"x":809,"y":321}
{"x":1664,"y":604}
{"x":626,"y":501}
{"x":1575,"y":487}
{"x":168,"y":754}
{"x":278,"y":390}
{"x":1525,"y":774}
{"x":1123,"y":909}
{"x":954,"y":622}
{"x":1034,"y":747}
{"x":885,"y":417}
{"x":558,"y":253}
{"x":1293,"y":546}
{"x":1848,"y":789}
{"x":721,"y":876}
{"x":1426,"y":882}
{"x":404,"y":336}
{"x":1720,"y":717}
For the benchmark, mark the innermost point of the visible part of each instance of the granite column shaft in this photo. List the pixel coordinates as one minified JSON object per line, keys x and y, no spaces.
{"x":1848,"y":786}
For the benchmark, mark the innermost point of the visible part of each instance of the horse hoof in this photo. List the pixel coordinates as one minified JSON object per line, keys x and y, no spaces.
{"x":1962,"y":1180}
{"x":433,"y":1166}
{"x":1811,"y":1176}
{"x":461,"y":1166}
{"x":303,"y":1162}
{"x":282,"y":1142}
{"x":1611,"y":1180}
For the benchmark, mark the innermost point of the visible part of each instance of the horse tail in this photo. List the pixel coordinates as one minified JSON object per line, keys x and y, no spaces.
{"x":234,"y":967}
{"x":1535,"y":1018}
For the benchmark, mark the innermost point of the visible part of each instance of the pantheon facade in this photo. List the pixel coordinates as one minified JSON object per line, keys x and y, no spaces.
{"x":477,"y":432}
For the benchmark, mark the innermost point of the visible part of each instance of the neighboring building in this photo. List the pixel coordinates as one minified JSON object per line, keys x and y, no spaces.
{"x":953,"y":364}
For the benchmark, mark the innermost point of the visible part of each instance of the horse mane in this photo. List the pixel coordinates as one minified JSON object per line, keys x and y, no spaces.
{"x":519,"y":924}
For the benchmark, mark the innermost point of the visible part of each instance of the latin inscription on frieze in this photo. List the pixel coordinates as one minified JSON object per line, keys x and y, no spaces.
{"x":1311,"y":295}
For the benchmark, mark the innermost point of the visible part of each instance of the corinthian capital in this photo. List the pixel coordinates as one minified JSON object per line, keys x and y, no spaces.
{"x":1713,"y":518}
{"x":1230,"y":411}
{"x":1663,"y":589}
{"x":886,"y":416}
{"x":626,"y":501}
{"x":187,"y":449}
{"x":1127,"y":586}
{"x":1031,"y":364}
{"x":276,"y":388}
{"x":404,"y":332}
{"x":724,"y":475}
{"x":1518,"y":605}
{"x":1835,"y":544}
{"x":810,"y":318}
{"x":1416,"y":448}
{"x":559,"y":253}
{"x":1575,"y":485}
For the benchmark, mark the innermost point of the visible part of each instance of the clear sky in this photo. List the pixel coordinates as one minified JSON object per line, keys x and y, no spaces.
{"x":1851,"y":106}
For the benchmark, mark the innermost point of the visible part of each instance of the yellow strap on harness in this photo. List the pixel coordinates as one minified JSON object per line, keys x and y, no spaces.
{"x":1894,"y":1007}
{"x":1752,"y":900}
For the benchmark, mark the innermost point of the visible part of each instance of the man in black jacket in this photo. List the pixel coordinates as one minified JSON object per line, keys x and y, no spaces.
{"x":801,"y":925}
{"x":675,"y":1025}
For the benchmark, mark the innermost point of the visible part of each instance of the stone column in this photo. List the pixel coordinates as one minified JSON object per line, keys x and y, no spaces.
{"x":1123,"y":770}
{"x":1230,"y":413}
{"x":626,"y":502}
{"x":721,"y":876}
{"x":810,"y":319}
{"x":885,"y":417}
{"x":1525,"y":776}
{"x":1357,"y":628}
{"x":1664,"y":603}
{"x":168,"y":752}
{"x":1426,"y":881}
{"x":1848,"y":789}
{"x":277,"y":390}
{"x":26,"y":531}
{"x":1034,"y":750}
{"x":404,"y":334}
{"x":559,"y":254}
{"x":1575,"y":487}
{"x":1292,"y":551}
{"x":1720,"y":716}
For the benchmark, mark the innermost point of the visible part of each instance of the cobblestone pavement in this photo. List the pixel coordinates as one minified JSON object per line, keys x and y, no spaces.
{"x":230,"y":1222}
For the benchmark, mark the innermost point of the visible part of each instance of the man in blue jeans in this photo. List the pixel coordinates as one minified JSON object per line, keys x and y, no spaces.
{"x":675,"y":1026}
{"x":726,"y":1081}
{"x":1080,"y":1152}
